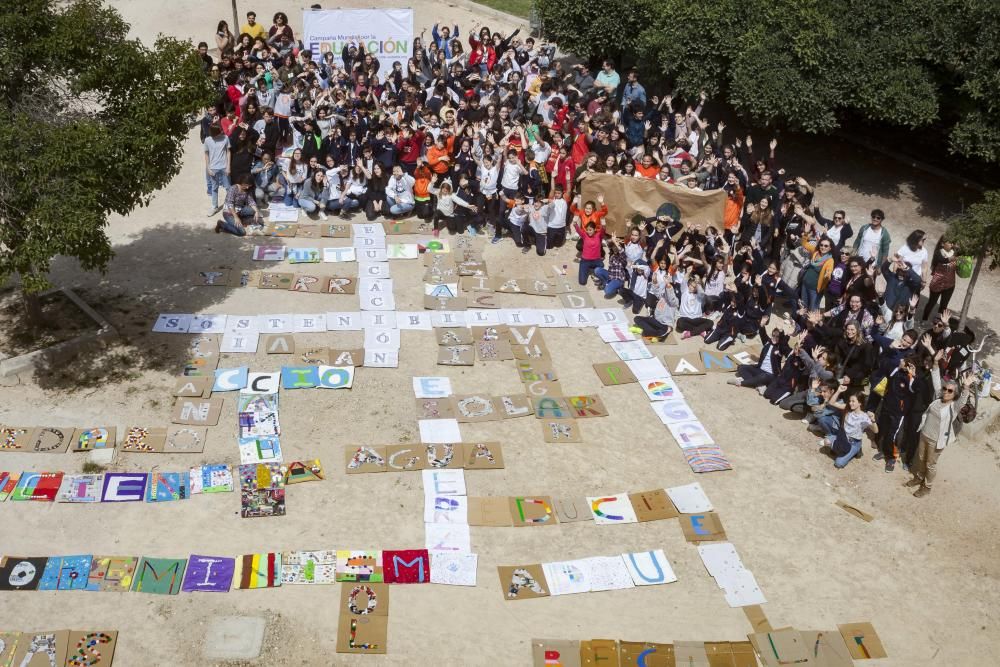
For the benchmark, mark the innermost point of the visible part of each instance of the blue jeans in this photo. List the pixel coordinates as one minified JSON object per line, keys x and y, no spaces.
{"x":849,"y":456}
{"x":611,"y":287}
{"x":230,"y":225}
{"x":588,"y":265}
{"x":348,"y":205}
{"x":810,"y":298}
{"x":291,"y":191}
{"x":398,"y":208}
{"x":215,"y":180}
{"x":830,"y":423}
{"x":310,"y":205}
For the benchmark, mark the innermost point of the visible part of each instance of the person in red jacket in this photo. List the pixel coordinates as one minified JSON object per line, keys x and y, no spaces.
{"x":408,"y":148}
{"x":482,"y":55}
{"x":590,"y":227}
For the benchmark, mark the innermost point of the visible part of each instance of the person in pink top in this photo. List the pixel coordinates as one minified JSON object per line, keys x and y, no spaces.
{"x":589,"y":225}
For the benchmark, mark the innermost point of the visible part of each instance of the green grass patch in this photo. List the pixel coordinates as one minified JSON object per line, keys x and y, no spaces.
{"x":520,"y":8}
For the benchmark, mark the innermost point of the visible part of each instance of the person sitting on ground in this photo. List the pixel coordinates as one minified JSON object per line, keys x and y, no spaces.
{"x":692,"y":320}
{"x":239,"y":211}
{"x":845,"y":445}
{"x":772,"y":357}
{"x":661,"y":323}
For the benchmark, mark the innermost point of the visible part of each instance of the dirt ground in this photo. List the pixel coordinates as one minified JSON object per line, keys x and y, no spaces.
{"x":925,"y":572}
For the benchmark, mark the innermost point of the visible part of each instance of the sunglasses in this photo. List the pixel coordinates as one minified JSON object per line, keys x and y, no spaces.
{"x":949,"y":390}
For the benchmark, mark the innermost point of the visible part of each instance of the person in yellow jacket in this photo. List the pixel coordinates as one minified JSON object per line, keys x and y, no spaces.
{"x":816,"y":273}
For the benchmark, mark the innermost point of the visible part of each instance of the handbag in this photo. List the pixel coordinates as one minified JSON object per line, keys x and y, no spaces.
{"x":968,"y":412}
{"x":943,"y":278}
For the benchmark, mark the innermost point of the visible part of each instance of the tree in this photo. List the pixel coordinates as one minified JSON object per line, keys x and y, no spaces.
{"x":593,"y":30}
{"x":91,"y":123}
{"x":978,"y":230}
{"x":926,"y":65}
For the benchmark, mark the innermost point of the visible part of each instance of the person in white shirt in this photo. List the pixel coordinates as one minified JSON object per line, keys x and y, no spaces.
{"x":559,"y":205}
{"x":399,"y":192}
{"x":692,"y":320}
{"x":872,"y":241}
{"x":448,"y":203}
{"x":538,"y":227}
{"x":516,"y":217}
{"x":510,"y":179}
{"x":915,"y":254}
{"x":488,"y":175}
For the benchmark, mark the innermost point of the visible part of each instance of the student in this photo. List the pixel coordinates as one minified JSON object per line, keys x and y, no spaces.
{"x":314,"y":193}
{"x":447,"y":205}
{"x":422,"y":195}
{"x":516,"y":218}
{"x":265,"y":174}
{"x":538,"y":226}
{"x":293,"y":174}
{"x":217,"y":165}
{"x":846,"y":443}
{"x":399,"y":192}
{"x":590,"y":256}
{"x":239,"y":210}
{"x":692,"y":320}
{"x":613,"y":279}
{"x":661,"y":323}
{"x":556,"y":230}
{"x":771,"y":359}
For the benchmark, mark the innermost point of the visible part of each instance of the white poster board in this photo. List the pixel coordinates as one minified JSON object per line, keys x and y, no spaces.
{"x":387,"y":34}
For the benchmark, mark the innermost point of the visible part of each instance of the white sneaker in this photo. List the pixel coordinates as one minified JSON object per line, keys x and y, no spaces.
{"x":322,"y":215}
{"x":736,"y":381}
{"x":212,"y":210}
{"x":761,"y":390}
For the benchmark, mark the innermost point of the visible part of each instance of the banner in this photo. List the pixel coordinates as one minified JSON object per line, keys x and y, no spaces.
{"x":387,"y":34}
{"x":627,"y":195}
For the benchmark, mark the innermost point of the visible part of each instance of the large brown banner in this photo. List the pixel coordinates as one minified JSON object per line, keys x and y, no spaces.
{"x":627,"y":195}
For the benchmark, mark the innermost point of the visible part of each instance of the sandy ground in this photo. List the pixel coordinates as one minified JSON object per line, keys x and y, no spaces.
{"x":924,"y":572}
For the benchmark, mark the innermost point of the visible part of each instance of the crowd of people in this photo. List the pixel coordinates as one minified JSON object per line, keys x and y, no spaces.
{"x":485,"y":132}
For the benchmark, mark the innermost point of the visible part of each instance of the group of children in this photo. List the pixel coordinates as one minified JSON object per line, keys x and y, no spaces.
{"x":500,"y":138}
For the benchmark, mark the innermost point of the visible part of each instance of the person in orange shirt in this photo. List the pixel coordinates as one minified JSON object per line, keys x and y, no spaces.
{"x":734,"y":208}
{"x":646,"y":168}
{"x":439,"y":155}
{"x":421,"y":190}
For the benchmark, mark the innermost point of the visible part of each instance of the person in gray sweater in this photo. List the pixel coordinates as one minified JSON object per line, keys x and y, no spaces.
{"x":661,"y":323}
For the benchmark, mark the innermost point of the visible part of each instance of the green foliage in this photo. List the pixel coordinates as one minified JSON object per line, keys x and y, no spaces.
{"x":91,"y":123}
{"x":977,"y":230}
{"x":607,"y":29}
{"x":928,"y":65}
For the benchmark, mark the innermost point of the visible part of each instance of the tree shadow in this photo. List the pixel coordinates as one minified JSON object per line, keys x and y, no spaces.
{"x":847,"y":163}
{"x":153,"y":273}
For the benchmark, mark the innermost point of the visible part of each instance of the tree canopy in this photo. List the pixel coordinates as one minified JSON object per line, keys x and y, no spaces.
{"x":927,"y":65}
{"x":91,"y":122}
{"x":976,"y":232}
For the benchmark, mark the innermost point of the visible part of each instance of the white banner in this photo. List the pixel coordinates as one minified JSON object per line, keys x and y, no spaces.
{"x":387,"y":34}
